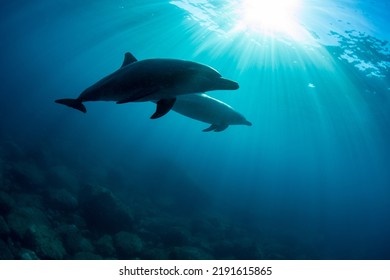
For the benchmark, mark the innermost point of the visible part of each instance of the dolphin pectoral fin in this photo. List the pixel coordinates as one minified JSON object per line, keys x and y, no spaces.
{"x":163,"y":107}
{"x":129,"y":59}
{"x":73,"y":103}
{"x":216,"y":127}
{"x":221,"y":127}
{"x":210,"y":128}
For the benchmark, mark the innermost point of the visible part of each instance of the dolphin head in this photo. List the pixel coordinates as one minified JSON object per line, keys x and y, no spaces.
{"x":237,"y":118}
{"x":248,"y":123}
{"x":205,"y":78}
{"x":243,"y":121}
{"x":223,"y":84}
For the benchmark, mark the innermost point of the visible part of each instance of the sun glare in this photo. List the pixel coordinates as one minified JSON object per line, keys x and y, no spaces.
{"x":270,"y":16}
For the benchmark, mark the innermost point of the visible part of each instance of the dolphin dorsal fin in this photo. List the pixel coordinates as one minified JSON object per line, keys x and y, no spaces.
{"x":129,"y":58}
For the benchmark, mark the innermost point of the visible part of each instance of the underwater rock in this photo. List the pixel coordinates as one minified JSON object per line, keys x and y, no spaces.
{"x":45,"y":242}
{"x":20,"y":219}
{"x":276,"y":256}
{"x":5,"y":252}
{"x":73,"y":240}
{"x":157,"y":227}
{"x":74,"y":219}
{"x":27,"y":175}
{"x":239,"y":249}
{"x":103,"y":211}
{"x":63,"y":177}
{"x":172,"y":188}
{"x":83,"y":245}
{"x":26,"y":254}
{"x":189,"y":253}
{"x":86,"y":256}
{"x":202,"y":225}
{"x":4,"y":229}
{"x":30,"y":200}
{"x":6,"y":203}
{"x":6,"y":184}
{"x":128,"y":245}
{"x":176,"y":236}
{"x":223,"y":250}
{"x":274,"y":249}
{"x":62,"y":200}
{"x":11,"y":151}
{"x":105,"y":246}
{"x":247,"y":249}
{"x":2,"y":177}
{"x":155,"y":254}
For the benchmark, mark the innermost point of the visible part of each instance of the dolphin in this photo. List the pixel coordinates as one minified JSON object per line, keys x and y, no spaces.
{"x":209,"y":110}
{"x":157,"y":79}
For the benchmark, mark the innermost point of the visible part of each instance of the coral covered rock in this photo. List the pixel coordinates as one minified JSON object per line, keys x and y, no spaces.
{"x":61,"y":199}
{"x":105,"y":246}
{"x":62,"y":177}
{"x":176,"y":236}
{"x":189,"y":253}
{"x":155,"y":254}
{"x":45,"y":242}
{"x":6,"y":202}
{"x":27,"y":175}
{"x":86,"y":256}
{"x":103,"y":211}
{"x":2,"y":177}
{"x":5,"y":252}
{"x":73,"y":240}
{"x":128,"y":245}
{"x":4,"y":229}
{"x":26,"y":254}
{"x":21,"y":219}
{"x":11,"y":150}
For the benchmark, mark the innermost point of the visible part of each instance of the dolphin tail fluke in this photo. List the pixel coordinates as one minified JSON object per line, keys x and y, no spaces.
{"x":163,"y":107}
{"x":73,"y":103}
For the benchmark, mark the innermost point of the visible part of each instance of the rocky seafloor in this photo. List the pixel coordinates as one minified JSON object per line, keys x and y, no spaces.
{"x":51,"y":209}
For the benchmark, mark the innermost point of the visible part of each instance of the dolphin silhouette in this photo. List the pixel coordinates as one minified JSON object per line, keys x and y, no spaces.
{"x":210,"y":110}
{"x":158,"y":80}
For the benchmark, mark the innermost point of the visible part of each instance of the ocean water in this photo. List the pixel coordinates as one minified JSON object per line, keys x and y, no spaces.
{"x":310,"y":179}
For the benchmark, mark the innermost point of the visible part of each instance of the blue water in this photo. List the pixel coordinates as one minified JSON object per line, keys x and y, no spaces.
{"x":310,"y":178}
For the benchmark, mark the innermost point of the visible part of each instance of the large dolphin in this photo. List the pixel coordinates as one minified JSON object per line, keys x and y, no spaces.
{"x":209,"y":110}
{"x":158,"y":80}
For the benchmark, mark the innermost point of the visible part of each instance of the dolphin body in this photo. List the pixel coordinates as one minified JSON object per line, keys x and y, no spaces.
{"x":158,"y":80}
{"x":209,"y":110}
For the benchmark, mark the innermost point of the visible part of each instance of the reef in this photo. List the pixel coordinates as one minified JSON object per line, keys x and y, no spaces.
{"x":49,"y":211}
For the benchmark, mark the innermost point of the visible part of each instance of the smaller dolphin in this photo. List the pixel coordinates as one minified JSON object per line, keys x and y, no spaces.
{"x":158,"y":80}
{"x":209,"y":110}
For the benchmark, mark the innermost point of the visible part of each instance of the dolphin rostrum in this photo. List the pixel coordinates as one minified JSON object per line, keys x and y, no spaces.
{"x":159,"y":80}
